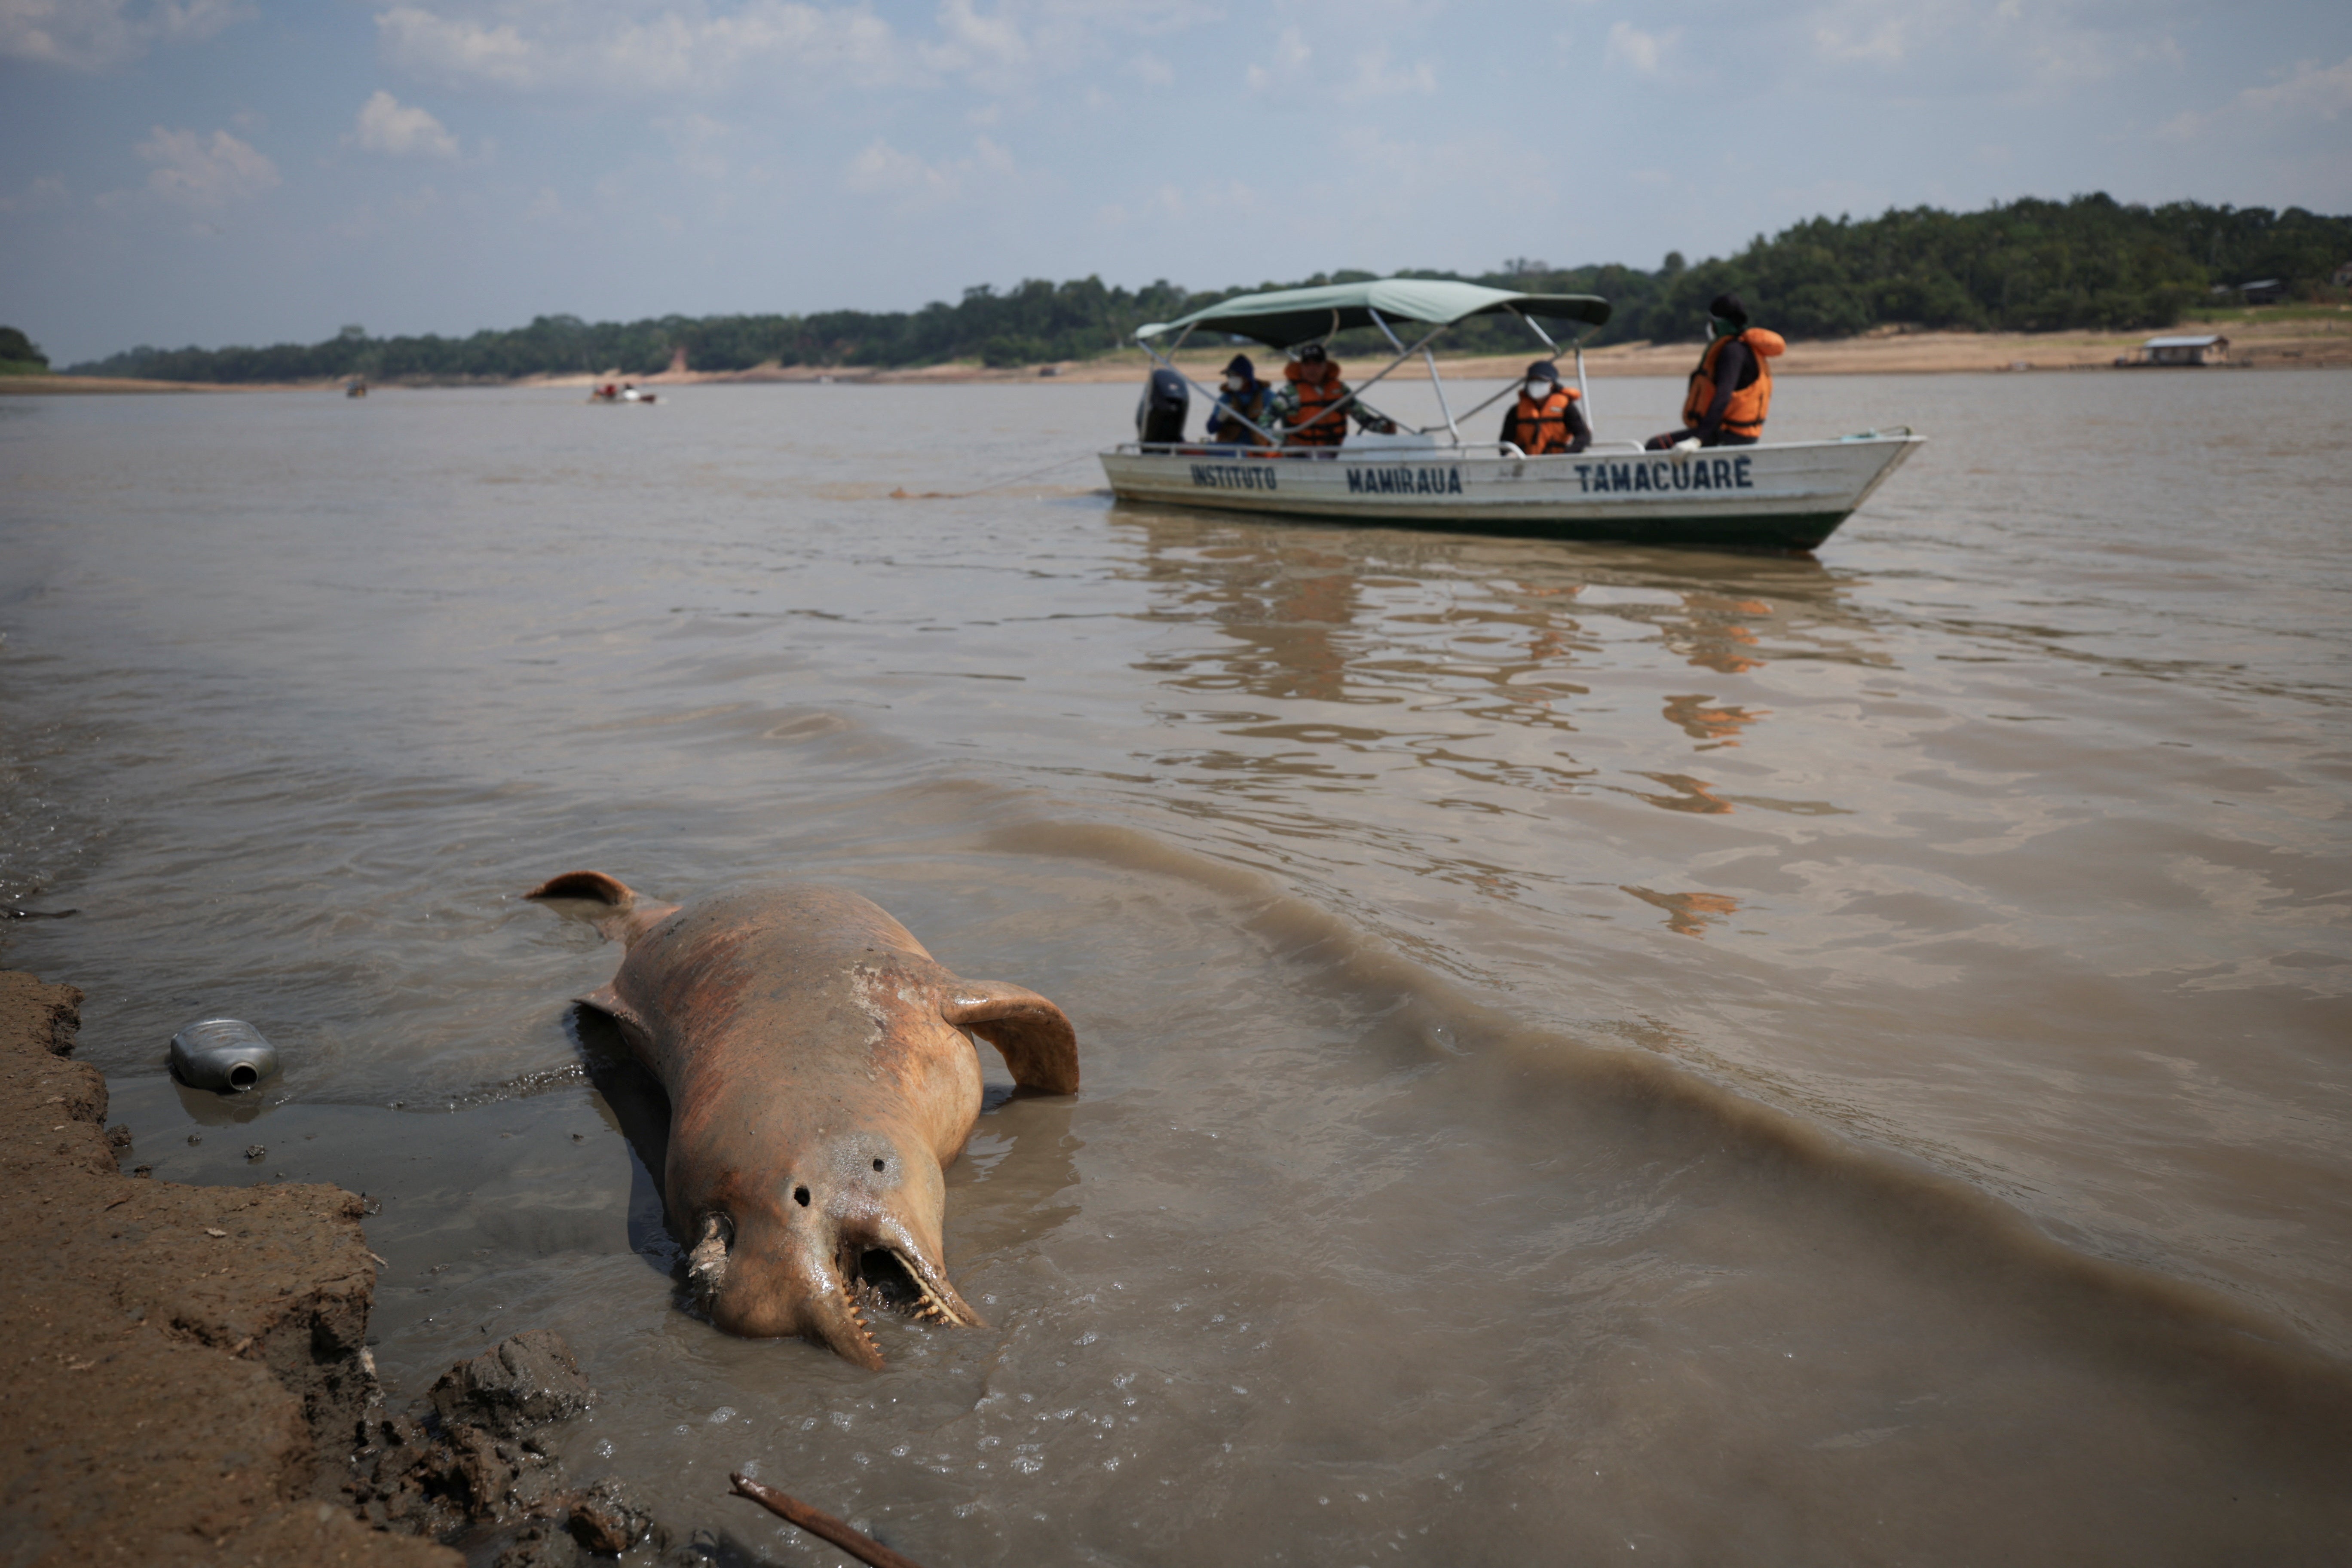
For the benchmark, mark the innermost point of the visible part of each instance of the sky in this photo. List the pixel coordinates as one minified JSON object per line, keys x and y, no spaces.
{"x":208,"y":172}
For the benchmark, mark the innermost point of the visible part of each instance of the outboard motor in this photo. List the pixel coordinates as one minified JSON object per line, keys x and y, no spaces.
{"x":1160,"y":414}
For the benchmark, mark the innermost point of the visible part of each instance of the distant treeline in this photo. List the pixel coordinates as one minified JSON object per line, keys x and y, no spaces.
{"x":19,"y":355}
{"x":2030,"y":265}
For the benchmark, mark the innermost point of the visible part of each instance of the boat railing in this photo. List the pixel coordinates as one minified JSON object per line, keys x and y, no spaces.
{"x":1384,"y":453}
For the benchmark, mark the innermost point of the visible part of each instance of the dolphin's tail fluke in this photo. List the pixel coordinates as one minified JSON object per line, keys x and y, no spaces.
{"x":626,"y":915}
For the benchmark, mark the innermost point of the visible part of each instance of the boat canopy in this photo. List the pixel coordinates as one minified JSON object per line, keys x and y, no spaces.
{"x":1289,"y":316}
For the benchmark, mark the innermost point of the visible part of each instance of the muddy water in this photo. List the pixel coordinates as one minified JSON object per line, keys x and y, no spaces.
{"x":1591,"y":1053}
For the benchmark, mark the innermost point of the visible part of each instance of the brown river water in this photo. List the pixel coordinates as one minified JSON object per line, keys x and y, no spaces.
{"x":1591,"y":1054}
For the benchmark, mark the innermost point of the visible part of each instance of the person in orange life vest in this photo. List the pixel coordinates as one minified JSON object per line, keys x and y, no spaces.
{"x":1731,"y":390}
{"x":1548,"y":418}
{"x":1315,"y":382}
{"x":1243,"y":394}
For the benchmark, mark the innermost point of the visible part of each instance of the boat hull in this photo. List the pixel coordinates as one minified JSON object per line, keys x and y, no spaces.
{"x":1789,"y":496}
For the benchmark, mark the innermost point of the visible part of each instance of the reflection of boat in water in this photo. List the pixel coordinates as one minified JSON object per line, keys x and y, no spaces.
{"x":1788,"y":495}
{"x":619,"y":391}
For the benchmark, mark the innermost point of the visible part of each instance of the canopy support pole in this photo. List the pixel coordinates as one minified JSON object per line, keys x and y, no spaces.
{"x":1340,"y":408}
{"x":1434,"y":381}
{"x":1582,"y":390}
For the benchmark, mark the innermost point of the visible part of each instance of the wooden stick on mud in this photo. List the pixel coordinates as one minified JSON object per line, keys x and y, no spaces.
{"x":865,"y":1548}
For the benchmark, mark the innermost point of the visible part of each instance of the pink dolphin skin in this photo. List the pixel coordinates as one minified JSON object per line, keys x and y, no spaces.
{"x":820,"y":1081}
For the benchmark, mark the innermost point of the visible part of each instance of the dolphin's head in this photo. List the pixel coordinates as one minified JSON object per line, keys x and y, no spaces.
{"x":847,"y":1224}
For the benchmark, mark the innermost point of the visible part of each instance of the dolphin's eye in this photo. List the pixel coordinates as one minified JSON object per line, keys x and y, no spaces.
{"x":799,"y":1197}
{"x":878,"y":1164}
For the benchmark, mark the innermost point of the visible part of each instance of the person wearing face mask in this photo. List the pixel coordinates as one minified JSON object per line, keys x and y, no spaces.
{"x":1246,"y":395}
{"x":1731,"y":390}
{"x":1548,"y":418}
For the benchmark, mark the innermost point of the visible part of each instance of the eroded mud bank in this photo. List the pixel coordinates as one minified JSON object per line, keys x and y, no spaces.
{"x":190,"y":1361}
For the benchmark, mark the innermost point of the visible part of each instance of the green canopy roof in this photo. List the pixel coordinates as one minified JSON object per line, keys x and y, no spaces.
{"x":1290,"y":316}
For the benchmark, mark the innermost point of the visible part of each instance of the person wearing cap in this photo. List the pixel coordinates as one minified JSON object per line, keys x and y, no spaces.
{"x":1246,"y":396}
{"x":1310,"y":403}
{"x":1731,"y":390}
{"x":1548,"y":418}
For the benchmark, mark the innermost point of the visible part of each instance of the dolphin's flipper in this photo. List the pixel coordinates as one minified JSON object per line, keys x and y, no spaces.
{"x":607,"y":1001}
{"x":1039,"y":1043}
{"x":631,"y":915}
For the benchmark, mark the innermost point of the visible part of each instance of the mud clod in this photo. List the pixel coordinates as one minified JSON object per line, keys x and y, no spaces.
{"x":467,"y":1466}
{"x":605,"y":1523}
{"x":516,"y":1384}
{"x":255,"y":1153}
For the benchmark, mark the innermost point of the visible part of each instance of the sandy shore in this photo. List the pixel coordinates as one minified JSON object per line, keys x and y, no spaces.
{"x":2297,"y":344}
{"x":188,"y":1363}
{"x":52,"y":385}
{"x":2300,"y":344}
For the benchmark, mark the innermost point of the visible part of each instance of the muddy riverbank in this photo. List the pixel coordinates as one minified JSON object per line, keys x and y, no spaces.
{"x":189,"y":1360}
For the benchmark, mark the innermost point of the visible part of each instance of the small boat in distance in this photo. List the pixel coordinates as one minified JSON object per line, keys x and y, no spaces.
{"x":619,"y":391}
{"x":1779,"y":495}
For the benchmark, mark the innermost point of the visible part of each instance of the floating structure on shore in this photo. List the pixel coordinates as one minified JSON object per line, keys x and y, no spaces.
{"x":2207,"y":348}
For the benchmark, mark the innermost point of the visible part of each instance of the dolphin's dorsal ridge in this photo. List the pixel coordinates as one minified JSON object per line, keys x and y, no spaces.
{"x":1036,"y":1039}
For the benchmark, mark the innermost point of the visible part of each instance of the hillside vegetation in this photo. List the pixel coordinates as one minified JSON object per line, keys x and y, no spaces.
{"x":2028,"y":266}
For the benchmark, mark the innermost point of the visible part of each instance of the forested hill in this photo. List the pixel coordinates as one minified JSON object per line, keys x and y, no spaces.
{"x":2031,"y":265}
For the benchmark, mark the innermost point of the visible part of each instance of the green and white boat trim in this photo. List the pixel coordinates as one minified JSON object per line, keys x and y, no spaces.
{"x":1780,"y":494}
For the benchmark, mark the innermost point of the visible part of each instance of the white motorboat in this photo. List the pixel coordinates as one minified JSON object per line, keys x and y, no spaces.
{"x":1786,"y":495}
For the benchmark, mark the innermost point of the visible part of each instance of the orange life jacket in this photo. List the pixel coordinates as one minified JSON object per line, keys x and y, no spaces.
{"x":1319,"y":391}
{"x":1744,"y":414}
{"x":1540,"y":429}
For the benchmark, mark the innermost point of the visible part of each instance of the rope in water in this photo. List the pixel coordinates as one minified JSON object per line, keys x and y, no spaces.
{"x":904,"y":494}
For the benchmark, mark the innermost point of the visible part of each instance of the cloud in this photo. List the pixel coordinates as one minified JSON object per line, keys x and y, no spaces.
{"x":1642,"y":52}
{"x":90,"y":35}
{"x":2054,"y":44}
{"x":206,"y":176}
{"x":2310,"y":91}
{"x":883,"y":170}
{"x":47,"y":190}
{"x":992,"y":49}
{"x":1291,"y":54}
{"x":638,"y":50}
{"x":2323,"y":91}
{"x":1375,"y":78}
{"x":387,"y":125}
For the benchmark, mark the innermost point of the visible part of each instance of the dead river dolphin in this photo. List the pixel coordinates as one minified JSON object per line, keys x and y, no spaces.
{"x":819,"y":1080}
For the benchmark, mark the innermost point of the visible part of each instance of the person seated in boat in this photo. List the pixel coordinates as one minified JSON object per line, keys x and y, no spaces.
{"x":1244,"y":396}
{"x":1314,"y":414}
{"x":1548,"y":418}
{"x":1731,"y":390}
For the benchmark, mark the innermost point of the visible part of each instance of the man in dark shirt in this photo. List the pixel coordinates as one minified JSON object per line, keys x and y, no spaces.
{"x":1732,"y":387}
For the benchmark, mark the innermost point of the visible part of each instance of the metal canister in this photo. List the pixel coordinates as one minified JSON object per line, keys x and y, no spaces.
{"x":222,"y":1053}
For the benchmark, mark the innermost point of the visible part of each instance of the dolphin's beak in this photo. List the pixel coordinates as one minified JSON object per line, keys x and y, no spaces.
{"x":820,"y":1281}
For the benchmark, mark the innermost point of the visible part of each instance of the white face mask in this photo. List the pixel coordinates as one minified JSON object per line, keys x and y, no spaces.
{"x":1539,"y":390}
{"x":1236,"y":383}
